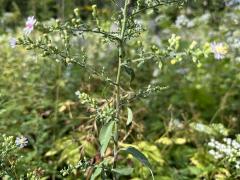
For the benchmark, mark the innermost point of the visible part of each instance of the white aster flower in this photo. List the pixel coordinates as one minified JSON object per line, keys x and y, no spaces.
{"x":21,"y":141}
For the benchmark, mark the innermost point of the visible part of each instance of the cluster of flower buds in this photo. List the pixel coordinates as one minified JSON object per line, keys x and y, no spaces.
{"x":174,"y":42}
{"x":86,"y":99}
{"x":229,"y":150}
{"x":106,"y":114}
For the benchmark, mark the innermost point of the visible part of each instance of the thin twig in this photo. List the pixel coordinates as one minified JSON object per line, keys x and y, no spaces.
{"x":154,"y":6}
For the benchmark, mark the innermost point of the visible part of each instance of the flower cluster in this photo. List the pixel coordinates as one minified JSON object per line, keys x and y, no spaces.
{"x":103,"y":113}
{"x":183,"y":21}
{"x":234,"y":42}
{"x":86,"y":99}
{"x":228,"y":150}
{"x":174,"y":42}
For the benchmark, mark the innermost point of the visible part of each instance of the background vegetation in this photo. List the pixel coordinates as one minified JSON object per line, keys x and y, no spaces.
{"x":173,"y":127}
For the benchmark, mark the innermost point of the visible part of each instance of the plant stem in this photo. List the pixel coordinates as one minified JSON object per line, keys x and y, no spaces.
{"x":118,"y":93}
{"x":154,"y":6}
{"x":106,"y":34}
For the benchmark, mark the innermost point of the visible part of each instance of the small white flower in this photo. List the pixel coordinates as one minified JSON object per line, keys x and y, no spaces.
{"x":218,"y":156}
{"x":211,"y":144}
{"x":183,"y":21}
{"x":237,"y":166}
{"x":176,"y":124}
{"x":29,"y":26}
{"x":200,"y":127}
{"x":212,"y":152}
{"x":21,"y":141}
{"x":228,"y":141}
{"x":114,"y":27}
{"x":77,"y":93}
{"x":12,"y":42}
{"x":235,"y":144}
{"x":156,"y":72}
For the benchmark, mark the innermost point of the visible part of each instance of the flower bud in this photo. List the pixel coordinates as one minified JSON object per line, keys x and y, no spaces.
{"x":45,"y":53}
{"x":45,"y":36}
{"x":73,"y":20}
{"x":67,"y":60}
{"x":94,"y":8}
{"x":57,"y":23}
{"x":76,"y":11}
{"x":28,"y":48}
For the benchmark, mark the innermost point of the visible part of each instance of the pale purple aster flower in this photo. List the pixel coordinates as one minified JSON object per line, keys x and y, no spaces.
{"x":29,"y":26}
{"x":12,"y":42}
{"x":21,"y":141}
{"x":219,"y":50}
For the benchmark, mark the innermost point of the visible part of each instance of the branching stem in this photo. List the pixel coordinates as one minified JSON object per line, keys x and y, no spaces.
{"x":118,"y":93}
{"x":154,"y":6}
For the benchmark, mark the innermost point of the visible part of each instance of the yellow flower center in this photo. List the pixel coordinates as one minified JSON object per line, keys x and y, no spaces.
{"x":221,"y":49}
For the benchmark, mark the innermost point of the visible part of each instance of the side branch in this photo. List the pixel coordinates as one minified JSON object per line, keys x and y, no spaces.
{"x":155,"y":6}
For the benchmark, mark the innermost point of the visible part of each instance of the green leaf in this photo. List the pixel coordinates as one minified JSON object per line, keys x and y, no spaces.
{"x":105,"y":136}
{"x":140,"y":157}
{"x":130,"y":72}
{"x":88,"y":148}
{"x":96,"y":173}
{"x":51,"y":152}
{"x":123,"y":171}
{"x":130,"y":116}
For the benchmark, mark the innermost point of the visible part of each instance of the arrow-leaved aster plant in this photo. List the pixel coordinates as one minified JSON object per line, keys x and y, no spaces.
{"x":108,"y":117}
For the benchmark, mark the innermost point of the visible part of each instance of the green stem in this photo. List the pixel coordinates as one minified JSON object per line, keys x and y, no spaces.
{"x":106,"y":34}
{"x":118,"y":93}
{"x":155,"y":6}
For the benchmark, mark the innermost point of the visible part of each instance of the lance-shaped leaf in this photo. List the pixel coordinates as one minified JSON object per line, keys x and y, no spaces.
{"x":96,"y":173}
{"x":105,"y":136}
{"x":123,"y":171}
{"x":130,"y":72}
{"x":140,"y":157}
